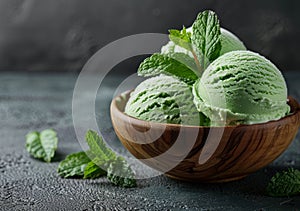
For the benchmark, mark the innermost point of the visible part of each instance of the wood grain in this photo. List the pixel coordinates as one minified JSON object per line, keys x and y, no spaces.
{"x":243,"y":149}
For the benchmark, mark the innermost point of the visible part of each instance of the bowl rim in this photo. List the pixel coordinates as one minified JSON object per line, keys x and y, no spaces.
{"x":294,"y":105}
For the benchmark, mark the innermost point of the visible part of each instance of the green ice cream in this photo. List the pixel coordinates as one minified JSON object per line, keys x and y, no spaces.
{"x":241,"y":87}
{"x":230,"y":42}
{"x":163,"y":99}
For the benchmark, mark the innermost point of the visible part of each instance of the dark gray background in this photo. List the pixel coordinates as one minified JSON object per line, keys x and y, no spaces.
{"x":60,"y":35}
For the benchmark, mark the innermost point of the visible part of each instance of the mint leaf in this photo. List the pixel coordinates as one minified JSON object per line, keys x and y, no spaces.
{"x":181,"y":38}
{"x":162,"y":64}
{"x":186,"y":60}
{"x":120,"y":173}
{"x":98,"y":147}
{"x":180,"y":54}
{"x":286,"y":183}
{"x":73,"y":165}
{"x":93,"y":169}
{"x":42,"y":145}
{"x":206,"y":38}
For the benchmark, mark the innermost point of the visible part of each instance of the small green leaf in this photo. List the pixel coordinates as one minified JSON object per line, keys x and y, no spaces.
{"x":42,"y":145}
{"x":162,"y":64}
{"x":206,"y":38}
{"x":182,"y":55}
{"x":98,"y":147}
{"x":286,"y":183}
{"x":73,"y":165}
{"x":120,"y":173}
{"x":186,"y":60}
{"x":93,"y":169}
{"x":181,"y":38}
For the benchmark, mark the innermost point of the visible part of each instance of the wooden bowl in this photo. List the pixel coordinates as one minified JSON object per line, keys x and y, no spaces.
{"x":204,"y":154}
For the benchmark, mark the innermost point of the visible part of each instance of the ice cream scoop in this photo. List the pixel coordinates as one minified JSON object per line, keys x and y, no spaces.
{"x":163,"y":99}
{"x":230,"y":42}
{"x":241,"y":87}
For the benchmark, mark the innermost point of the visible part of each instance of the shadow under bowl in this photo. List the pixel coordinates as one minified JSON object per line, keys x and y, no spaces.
{"x":204,"y":154}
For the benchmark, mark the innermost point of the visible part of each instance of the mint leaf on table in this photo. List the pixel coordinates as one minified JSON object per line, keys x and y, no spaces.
{"x":73,"y":165}
{"x":80,"y":165}
{"x":206,"y":38}
{"x":42,"y":145}
{"x":120,"y":173}
{"x":286,"y":183}
{"x":162,"y":64}
{"x":98,"y":147}
{"x":93,"y":171}
{"x":181,"y":38}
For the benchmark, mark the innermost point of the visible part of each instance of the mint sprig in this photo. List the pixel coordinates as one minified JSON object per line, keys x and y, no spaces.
{"x":42,"y":145}
{"x":286,"y":183}
{"x":206,"y":38}
{"x":80,"y":164}
{"x":162,"y":64}
{"x":203,"y":46}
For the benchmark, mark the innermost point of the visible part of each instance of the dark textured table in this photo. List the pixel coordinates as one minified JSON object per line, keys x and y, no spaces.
{"x":35,"y":101}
